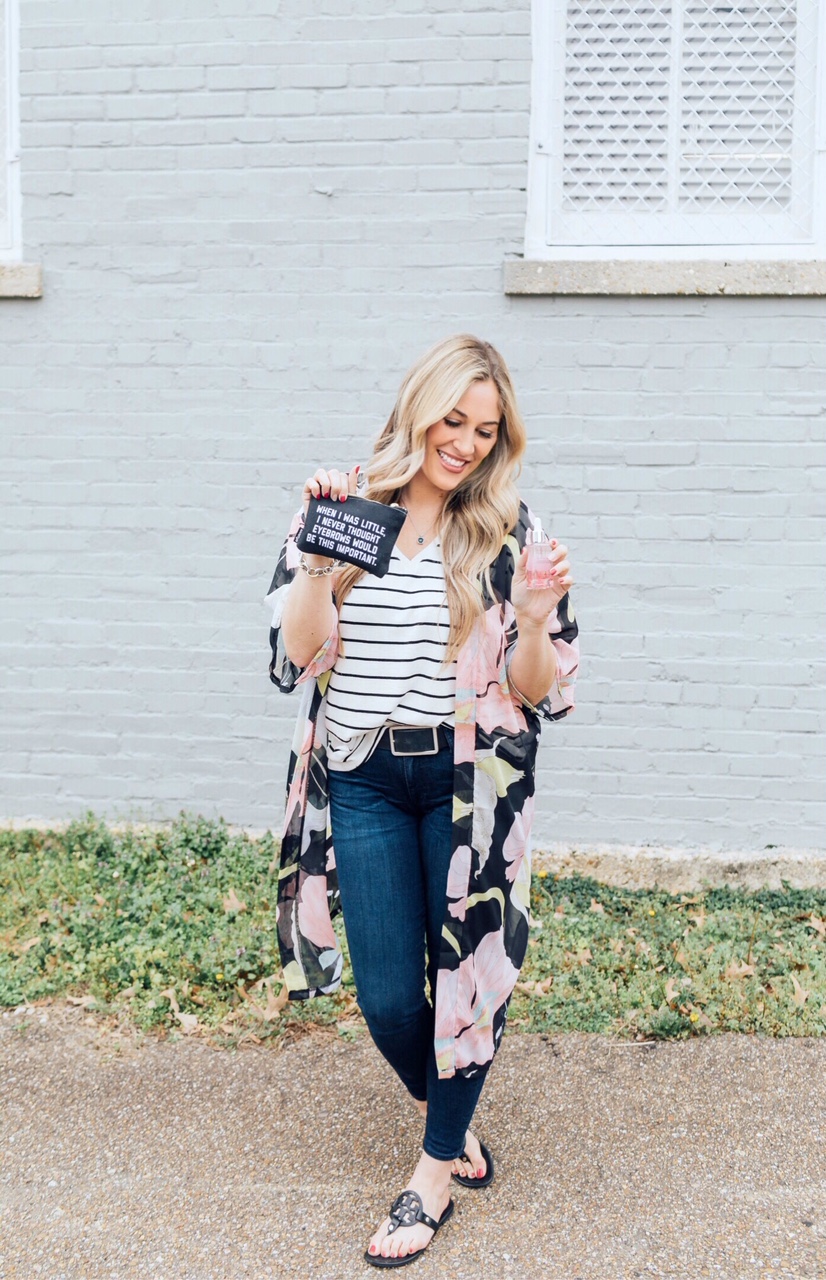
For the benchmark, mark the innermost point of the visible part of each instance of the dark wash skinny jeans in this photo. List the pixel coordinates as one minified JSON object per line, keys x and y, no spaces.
{"x":391,"y":820}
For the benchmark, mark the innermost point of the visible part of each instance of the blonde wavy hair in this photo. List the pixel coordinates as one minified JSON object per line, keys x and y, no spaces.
{"x":481,"y":510}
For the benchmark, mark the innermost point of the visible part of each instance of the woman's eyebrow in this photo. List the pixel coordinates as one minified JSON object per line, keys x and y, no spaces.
{"x":481,"y":424}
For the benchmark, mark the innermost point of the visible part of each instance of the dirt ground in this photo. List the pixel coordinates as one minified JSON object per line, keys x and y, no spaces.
{"x":129,"y":1158}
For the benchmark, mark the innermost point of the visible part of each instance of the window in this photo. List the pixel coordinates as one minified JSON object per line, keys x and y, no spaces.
{"x":681,"y":129}
{"x":10,"y":243}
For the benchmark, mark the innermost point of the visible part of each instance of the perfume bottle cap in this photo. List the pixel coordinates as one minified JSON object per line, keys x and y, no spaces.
{"x":536,"y":532}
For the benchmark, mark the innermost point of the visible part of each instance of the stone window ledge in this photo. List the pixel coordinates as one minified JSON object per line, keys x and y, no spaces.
{"x":700,"y":277}
{"x":21,"y":280}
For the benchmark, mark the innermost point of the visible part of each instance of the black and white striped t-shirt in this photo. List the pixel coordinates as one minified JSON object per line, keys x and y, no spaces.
{"x":394,"y":633}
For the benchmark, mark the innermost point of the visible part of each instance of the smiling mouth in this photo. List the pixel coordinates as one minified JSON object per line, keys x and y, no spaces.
{"x":452,"y":464}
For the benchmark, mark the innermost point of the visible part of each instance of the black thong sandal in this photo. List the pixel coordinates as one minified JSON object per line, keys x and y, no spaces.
{"x":405,"y":1211}
{"x":477,"y":1182}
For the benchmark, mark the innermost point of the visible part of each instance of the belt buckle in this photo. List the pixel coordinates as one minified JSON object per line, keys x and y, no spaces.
{"x":430,"y":751}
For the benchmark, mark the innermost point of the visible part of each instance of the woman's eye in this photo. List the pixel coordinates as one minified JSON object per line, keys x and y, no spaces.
{"x":486,"y":435}
{"x":450,"y":423}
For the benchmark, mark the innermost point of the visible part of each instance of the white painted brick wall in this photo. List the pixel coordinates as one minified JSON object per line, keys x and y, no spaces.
{"x":250,"y":223}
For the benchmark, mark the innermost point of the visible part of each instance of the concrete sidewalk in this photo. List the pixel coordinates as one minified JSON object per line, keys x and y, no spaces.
{"x":154,"y":1161}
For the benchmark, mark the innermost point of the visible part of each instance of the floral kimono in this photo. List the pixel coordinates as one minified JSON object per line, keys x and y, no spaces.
{"x":487,"y":915}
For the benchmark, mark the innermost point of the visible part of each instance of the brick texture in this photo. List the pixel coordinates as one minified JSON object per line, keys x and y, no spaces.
{"x":250,"y":223}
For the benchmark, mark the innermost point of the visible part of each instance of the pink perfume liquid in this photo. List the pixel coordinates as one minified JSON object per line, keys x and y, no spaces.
{"x":538,"y":568}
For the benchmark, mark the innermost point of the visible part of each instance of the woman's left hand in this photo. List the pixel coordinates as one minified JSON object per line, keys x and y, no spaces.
{"x":536,"y":605}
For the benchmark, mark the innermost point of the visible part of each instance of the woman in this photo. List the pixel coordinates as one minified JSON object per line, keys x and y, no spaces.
{"x":417,"y":735}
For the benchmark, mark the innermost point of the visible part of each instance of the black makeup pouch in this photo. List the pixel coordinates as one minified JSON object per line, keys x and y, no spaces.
{"x":357,"y":531}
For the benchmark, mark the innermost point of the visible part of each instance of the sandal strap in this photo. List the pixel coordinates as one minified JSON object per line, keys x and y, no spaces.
{"x":407,"y":1209}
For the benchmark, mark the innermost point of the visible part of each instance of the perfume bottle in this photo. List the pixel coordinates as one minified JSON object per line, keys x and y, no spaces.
{"x":538,"y":568}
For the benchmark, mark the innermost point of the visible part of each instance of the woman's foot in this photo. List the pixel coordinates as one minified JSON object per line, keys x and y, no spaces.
{"x":431,"y":1179}
{"x":473,"y":1164}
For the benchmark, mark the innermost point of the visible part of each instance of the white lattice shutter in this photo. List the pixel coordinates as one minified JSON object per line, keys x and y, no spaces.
{"x":689,"y":122}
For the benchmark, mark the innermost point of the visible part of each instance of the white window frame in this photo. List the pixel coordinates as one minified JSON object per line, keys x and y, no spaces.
{"x":548,"y":33}
{"x":11,"y":241}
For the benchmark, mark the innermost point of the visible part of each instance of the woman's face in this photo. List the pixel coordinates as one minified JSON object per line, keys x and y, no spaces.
{"x":455,"y":446}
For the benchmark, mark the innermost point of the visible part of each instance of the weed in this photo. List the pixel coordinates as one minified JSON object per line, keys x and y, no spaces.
{"x":173,"y":931}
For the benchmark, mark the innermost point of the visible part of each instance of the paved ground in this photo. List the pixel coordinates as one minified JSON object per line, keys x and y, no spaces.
{"x":155,"y":1161}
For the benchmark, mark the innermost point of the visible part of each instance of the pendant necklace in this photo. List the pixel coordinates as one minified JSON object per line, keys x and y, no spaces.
{"x":420,"y":537}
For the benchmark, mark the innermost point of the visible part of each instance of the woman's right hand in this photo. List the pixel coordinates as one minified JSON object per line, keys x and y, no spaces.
{"x":330,"y":484}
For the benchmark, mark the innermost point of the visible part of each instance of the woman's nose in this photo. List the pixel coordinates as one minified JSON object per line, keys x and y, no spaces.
{"x":467,"y":441}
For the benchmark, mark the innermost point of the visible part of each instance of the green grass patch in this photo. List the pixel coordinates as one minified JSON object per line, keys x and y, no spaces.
{"x":173,"y":929}
{"x":651,"y":965}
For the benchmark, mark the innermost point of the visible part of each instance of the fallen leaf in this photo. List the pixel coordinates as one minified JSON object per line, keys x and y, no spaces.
{"x":43,"y":917}
{"x":682,"y":959}
{"x":699,"y":917}
{"x":816,"y":923}
{"x":83,"y":1002}
{"x":275,"y":1003}
{"x":738,"y":969}
{"x":100,"y":900}
{"x":20,"y":948}
{"x":671,"y":988}
{"x":597,"y":907}
{"x":584,"y":956}
{"x":232,"y":904}
{"x":188,"y":1021}
{"x":617,"y":945}
{"x":535,"y":988}
{"x":800,"y":995}
{"x":641,"y":947}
